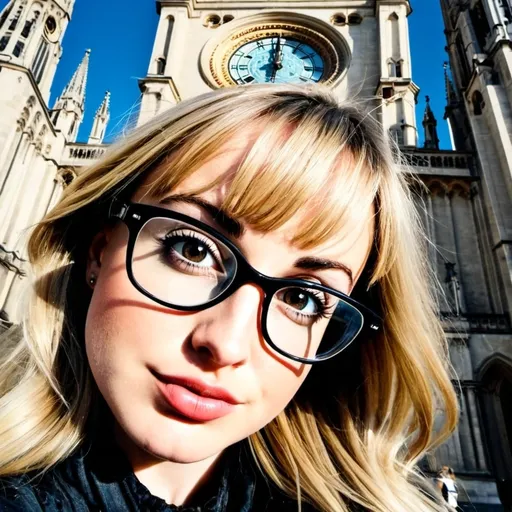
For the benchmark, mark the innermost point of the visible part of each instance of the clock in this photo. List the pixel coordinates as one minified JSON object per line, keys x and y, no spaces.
{"x":275,"y":47}
{"x":276,"y":59}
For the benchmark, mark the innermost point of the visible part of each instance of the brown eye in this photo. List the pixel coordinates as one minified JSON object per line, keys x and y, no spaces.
{"x":194,"y":251}
{"x":296,"y":299}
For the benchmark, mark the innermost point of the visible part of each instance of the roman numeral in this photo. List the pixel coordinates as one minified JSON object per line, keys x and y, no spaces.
{"x":309,"y":68}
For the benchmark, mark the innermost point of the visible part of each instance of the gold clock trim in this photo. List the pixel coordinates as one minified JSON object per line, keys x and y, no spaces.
{"x":219,"y":51}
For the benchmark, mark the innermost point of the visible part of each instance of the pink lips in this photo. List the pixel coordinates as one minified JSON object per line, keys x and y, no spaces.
{"x":194,"y":399}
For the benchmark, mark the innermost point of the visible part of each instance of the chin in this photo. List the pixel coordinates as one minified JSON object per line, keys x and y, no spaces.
{"x":166,"y":438}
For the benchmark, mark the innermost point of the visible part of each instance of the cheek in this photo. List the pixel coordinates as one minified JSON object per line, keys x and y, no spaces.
{"x":279,"y":382}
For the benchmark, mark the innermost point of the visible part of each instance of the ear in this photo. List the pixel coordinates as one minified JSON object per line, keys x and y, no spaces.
{"x":95,"y":255}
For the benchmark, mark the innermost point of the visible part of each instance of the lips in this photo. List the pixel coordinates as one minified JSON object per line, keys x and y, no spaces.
{"x":193,"y":399}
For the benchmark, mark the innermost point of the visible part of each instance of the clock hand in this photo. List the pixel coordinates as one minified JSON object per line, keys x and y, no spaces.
{"x":277,"y":59}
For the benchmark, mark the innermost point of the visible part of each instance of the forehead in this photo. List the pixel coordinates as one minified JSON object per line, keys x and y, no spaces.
{"x":273,"y":252}
{"x":274,"y":178}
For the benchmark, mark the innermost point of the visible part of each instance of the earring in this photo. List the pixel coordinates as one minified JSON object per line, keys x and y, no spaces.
{"x":92,"y":280}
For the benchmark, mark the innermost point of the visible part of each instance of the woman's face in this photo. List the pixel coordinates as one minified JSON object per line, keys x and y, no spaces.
{"x":136,"y":347}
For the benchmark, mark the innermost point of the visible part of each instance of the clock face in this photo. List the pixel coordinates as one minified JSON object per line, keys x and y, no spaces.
{"x":276,"y":59}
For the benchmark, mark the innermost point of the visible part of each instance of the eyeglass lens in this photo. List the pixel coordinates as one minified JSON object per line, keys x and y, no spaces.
{"x":184,"y":266}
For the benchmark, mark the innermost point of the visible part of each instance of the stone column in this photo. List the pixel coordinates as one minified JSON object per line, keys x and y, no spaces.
{"x":11,"y":190}
{"x":474,"y":416}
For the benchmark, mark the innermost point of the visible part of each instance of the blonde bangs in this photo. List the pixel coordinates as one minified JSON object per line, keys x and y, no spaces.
{"x":285,"y":176}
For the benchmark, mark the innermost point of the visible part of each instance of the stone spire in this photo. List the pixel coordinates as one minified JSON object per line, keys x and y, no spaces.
{"x":75,"y":90}
{"x":430,"y":127}
{"x":68,"y":112}
{"x":101,"y":119}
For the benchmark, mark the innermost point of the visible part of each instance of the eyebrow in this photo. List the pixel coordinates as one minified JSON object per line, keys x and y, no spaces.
{"x":229,"y":224}
{"x":311,"y":263}
{"x":236,"y":229}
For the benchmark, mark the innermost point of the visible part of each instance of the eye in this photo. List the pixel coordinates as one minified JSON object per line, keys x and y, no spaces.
{"x":191,"y":249}
{"x":301,"y":301}
{"x":194,"y":251}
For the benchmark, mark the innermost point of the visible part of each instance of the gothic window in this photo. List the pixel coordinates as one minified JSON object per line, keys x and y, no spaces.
{"x":29,"y":24}
{"x":4,"y":41}
{"x":478,"y":103}
{"x":16,"y":18}
{"x":480,"y":24}
{"x":398,"y":69}
{"x":26,"y":29}
{"x":72,"y":128}
{"x":395,"y":68}
{"x":18,"y":48}
{"x":507,"y":10}
{"x":40,"y":60}
{"x":160,"y":66}
{"x":168,"y":37}
{"x":397,"y":134}
{"x":393,"y":36}
{"x":4,"y":16}
{"x":387,"y":92}
{"x":465,"y":71}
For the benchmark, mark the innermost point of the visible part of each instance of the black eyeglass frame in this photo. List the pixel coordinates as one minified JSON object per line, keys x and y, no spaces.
{"x":136,"y":215}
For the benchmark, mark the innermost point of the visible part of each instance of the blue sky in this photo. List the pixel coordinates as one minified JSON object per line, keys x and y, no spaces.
{"x":121,"y":41}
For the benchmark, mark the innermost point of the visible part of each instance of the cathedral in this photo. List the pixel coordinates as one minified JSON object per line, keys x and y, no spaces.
{"x":351,"y":46}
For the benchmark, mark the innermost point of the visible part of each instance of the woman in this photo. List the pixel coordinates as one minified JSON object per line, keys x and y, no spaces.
{"x":243,"y":272}
{"x":446,"y":484}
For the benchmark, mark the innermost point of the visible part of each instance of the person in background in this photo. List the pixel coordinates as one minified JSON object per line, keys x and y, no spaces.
{"x":447,"y":486}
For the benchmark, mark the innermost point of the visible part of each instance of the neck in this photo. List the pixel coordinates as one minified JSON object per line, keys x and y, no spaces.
{"x":174,"y":482}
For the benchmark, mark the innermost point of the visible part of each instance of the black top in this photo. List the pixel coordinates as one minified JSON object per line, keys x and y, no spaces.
{"x":99,"y":478}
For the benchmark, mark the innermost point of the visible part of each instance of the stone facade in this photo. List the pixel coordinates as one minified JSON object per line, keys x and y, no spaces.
{"x":465,"y":205}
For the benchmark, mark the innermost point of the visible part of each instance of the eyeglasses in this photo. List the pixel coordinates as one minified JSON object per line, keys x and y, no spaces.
{"x":186,"y":265}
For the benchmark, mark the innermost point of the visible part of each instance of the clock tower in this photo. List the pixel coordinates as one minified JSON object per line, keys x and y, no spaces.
{"x":356,"y":48}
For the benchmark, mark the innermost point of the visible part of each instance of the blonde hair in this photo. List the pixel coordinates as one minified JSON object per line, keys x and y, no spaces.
{"x":354,"y":432}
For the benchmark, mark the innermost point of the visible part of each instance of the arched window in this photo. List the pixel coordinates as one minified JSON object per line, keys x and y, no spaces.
{"x":29,"y":24}
{"x":478,"y":103}
{"x":72,"y":128}
{"x":40,"y":60}
{"x":168,"y":37}
{"x":464,"y":69}
{"x":395,"y":68}
{"x":393,"y":30}
{"x":4,"y":41}
{"x":480,"y":24}
{"x":18,"y":48}
{"x":396,"y":132}
{"x":160,"y":66}
{"x":399,"y":69}
{"x":16,"y":18}
{"x":4,"y":15}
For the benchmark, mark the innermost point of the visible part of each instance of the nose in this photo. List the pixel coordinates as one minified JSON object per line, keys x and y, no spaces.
{"x":228,"y":331}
